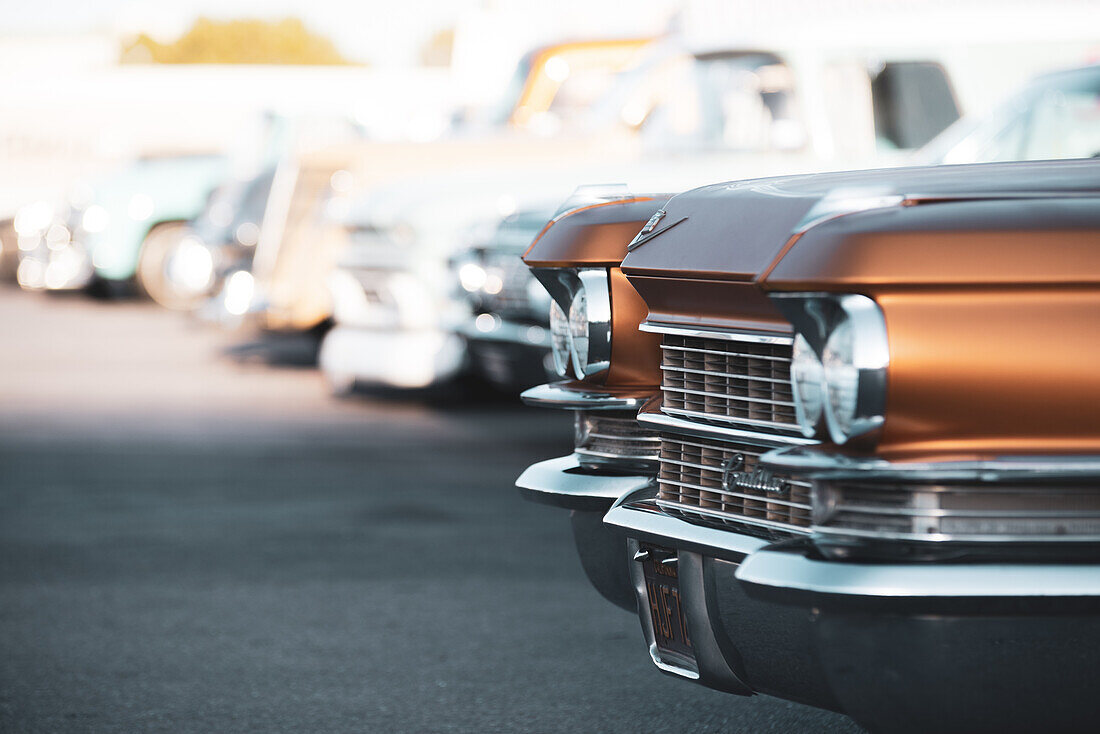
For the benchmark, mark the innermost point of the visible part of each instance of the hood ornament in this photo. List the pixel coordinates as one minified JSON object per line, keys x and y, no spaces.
{"x":649,"y":231}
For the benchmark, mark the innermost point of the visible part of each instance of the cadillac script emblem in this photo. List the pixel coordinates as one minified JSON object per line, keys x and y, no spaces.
{"x":736,"y":478}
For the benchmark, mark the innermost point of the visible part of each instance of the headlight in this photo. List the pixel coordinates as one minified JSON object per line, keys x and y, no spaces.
{"x":839,"y":363}
{"x":34,"y":218}
{"x":559,"y":338}
{"x":807,"y":377}
{"x":581,"y":339}
{"x":95,"y":219}
{"x":191,"y":267}
{"x":472,"y":277}
{"x":578,"y":333}
{"x":239,"y":292}
{"x":855,"y":359}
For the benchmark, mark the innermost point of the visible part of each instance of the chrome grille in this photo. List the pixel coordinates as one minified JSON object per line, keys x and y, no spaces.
{"x":726,"y":382}
{"x":959,"y":511}
{"x":691,"y":485}
{"x":612,"y":437}
{"x":515,"y":277}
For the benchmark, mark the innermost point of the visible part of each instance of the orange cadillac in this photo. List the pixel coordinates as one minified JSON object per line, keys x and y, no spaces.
{"x":871,"y":438}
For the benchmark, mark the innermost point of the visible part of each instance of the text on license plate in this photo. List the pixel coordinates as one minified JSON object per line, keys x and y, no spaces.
{"x":670,"y":628}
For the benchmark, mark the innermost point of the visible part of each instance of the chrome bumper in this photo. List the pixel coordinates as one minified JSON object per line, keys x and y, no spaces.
{"x":761,"y":563}
{"x":563,"y":482}
{"x":569,"y":396}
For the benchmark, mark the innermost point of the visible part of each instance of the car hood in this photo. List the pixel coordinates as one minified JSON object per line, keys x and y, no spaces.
{"x":714,"y":242}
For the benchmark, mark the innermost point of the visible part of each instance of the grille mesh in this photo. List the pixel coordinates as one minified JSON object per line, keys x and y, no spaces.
{"x":614,"y":437}
{"x":691,"y":485}
{"x":513,"y":299}
{"x":729,"y":382}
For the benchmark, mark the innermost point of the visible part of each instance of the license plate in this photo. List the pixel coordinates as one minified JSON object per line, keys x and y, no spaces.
{"x":662,"y":585}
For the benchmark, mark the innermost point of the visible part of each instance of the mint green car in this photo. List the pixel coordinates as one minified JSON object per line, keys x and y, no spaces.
{"x":119,"y":230}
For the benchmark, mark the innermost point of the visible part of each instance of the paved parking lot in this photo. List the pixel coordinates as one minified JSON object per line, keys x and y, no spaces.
{"x":189,"y":542}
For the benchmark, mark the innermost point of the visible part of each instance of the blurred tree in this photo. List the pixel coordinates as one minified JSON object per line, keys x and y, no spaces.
{"x":286,"y":41}
{"x":437,"y":51}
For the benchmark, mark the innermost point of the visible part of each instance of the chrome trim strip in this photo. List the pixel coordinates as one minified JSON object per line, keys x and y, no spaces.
{"x":740,"y":519}
{"x":555,"y":395}
{"x":563,"y":482}
{"x":742,"y":355}
{"x":937,"y":512}
{"x":724,"y":396}
{"x":625,"y":439}
{"x":651,"y":458}
{"x":989,"y":538}
{"x":672,"y":424}
{"x":786,"y":570}
{"x":641,"y":519}
{"x":826,"y":465}
{"x":713,"y":333}
{"x":727,"y":375}
{"x":725,"y":492}
{"x":736,"y":421}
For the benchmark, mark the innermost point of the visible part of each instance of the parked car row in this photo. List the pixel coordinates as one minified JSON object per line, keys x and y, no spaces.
{"x":835,"y":439}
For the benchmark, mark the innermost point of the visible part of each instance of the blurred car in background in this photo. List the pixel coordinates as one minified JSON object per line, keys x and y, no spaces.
{"x":396,"y":310}
{"x":507,"y":331}
{"x":552,"y":89}
{"x":696,"y":117}
{"x":555,"y":85}
{"x":1057,"y":115}
{"x":118,"y":230}
{"x":215,"y":245}
{"x":9,"y":250}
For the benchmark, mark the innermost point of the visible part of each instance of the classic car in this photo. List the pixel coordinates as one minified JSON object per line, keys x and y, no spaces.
{"x":304,"y":235}
{"x":554,"y":84}
{"x":507,"y":331}
{"x":1056,"y":115}
{"x":870,"y":480}
{"x":120,"y":232}
{"x":698,"y":116}
{"x":594,"y":316}
{"x":215,"y":245}
{"x":396,"y":314}
{"x":9,"y":249}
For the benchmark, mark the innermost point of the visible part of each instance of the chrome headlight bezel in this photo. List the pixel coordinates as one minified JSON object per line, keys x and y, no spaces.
{"x":583,"y":296}
{"x":847,"y":332}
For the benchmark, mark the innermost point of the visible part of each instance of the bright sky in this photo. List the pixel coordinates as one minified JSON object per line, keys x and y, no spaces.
{"x":379,"y":31}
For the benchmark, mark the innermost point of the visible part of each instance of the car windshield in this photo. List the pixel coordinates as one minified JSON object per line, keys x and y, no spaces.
{"x":1058,"y":116}
{"x":726,"y":100}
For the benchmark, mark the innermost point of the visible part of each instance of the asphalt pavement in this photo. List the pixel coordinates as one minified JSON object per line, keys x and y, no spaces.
{"x":192,"y":539}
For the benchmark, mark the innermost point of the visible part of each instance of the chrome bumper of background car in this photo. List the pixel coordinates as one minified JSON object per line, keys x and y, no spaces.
{"x":563,"y":482}
{"x":402,"y":359}
{"x":565,"y":396}
{"x":510,"y":332}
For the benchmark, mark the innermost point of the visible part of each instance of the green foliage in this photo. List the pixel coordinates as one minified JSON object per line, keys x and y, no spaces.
{"x":208,"y":41}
